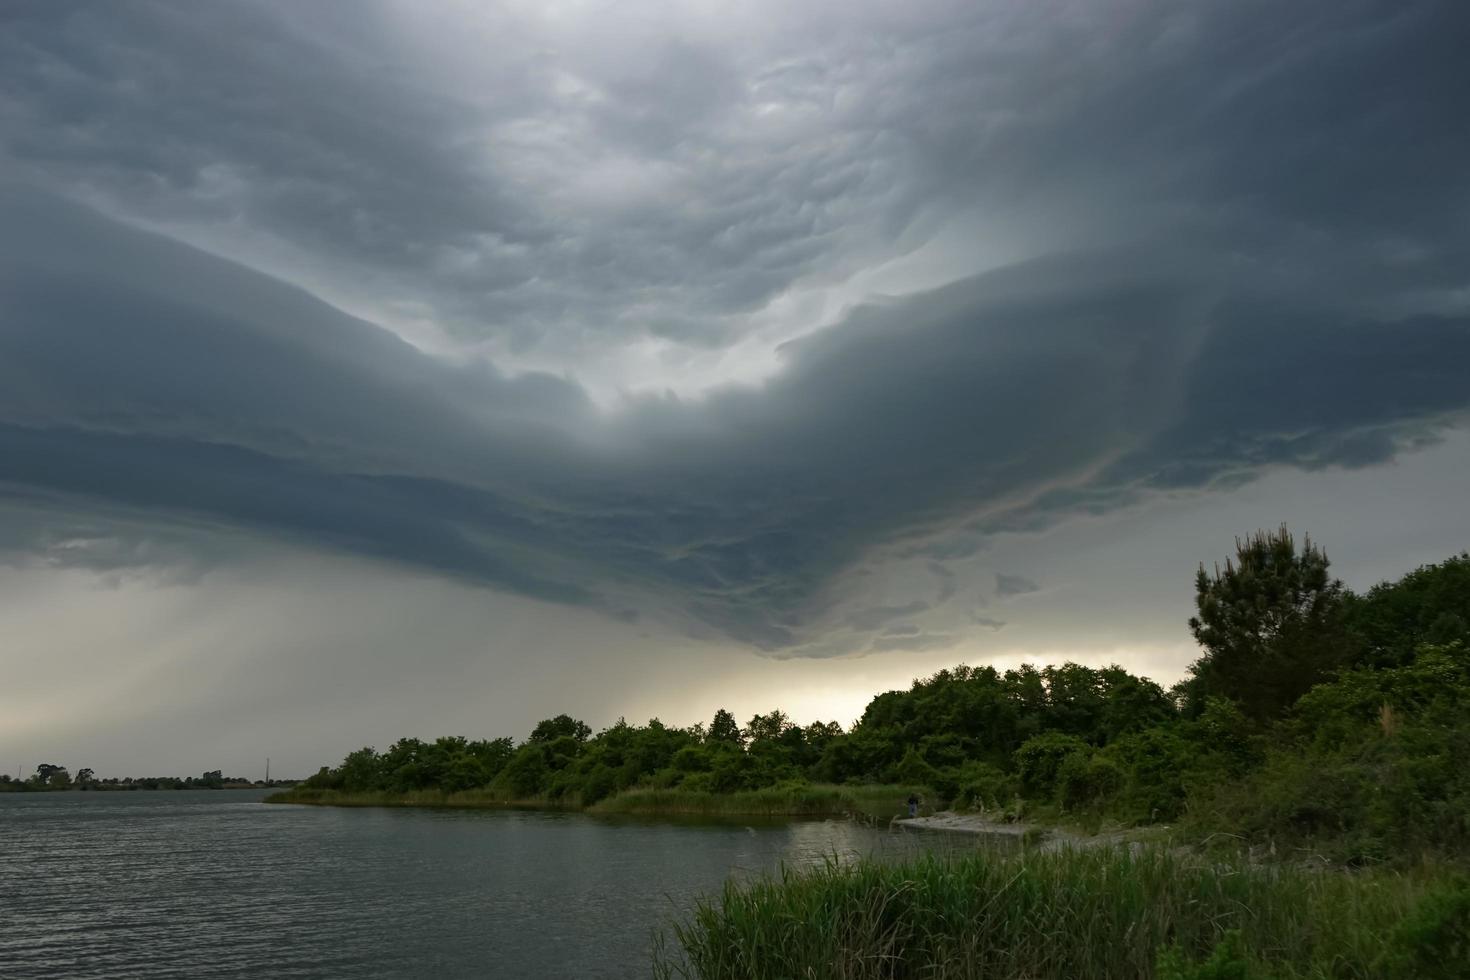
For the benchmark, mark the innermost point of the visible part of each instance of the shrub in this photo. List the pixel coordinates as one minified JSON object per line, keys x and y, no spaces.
{"x":1039,"y":760}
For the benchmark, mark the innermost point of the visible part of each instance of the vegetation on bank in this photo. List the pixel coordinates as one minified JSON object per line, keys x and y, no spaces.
{"x":1096,"y":914}
{"x":799,"y":799}
{"x":879,"y":803}
{"x":1315,"y":722}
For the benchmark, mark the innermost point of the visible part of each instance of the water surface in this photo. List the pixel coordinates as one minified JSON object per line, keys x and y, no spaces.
{"x":218,"y":884}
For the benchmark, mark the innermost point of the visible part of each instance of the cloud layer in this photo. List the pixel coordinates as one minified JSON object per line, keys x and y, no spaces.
{"x":1177,"y":247}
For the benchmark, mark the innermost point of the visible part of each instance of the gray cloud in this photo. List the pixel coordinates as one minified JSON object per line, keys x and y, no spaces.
{"x":362,"y":443}
{"x":990,"y":623}
{"x":947,"y":582}
{"x":916,"y":641}
{"x":1244,"y":252}
{"x":872,"y":618}
{"x":1009,"y":585}
{"x":593,"y":182}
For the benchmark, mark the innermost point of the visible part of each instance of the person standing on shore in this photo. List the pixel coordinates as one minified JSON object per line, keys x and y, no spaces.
{"x":913,"y":804}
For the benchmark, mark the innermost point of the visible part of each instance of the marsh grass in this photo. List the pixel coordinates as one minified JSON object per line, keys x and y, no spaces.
{"x":1091,"y":914}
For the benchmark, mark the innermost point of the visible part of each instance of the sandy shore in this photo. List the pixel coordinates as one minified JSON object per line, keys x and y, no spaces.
{"x":1048,"y":838}
{"x":968,"y":823}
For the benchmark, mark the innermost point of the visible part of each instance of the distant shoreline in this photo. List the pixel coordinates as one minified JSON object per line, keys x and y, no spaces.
{"x":18,"y":787}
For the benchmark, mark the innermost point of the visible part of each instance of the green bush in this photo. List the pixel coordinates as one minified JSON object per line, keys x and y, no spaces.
{"x":1433,"y":942}
{"x":1227,"y":961}
{"x":1039,"y":761}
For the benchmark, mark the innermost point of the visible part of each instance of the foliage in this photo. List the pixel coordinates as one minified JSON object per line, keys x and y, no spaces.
{"x":1430,"y":605}
{"x":1227,"y":961}
{"x":1367,"y":769}
{"x":1433,"y":942}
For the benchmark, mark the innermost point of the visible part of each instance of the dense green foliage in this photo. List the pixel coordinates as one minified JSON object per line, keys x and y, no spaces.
{"x":1315,"y":721}
{"x":1073,"y":915}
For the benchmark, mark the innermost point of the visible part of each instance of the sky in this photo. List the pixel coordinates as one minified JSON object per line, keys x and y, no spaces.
{"x":392,"y":367}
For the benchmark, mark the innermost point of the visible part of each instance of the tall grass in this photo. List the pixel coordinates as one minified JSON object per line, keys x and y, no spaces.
{"x":1095,"y":914}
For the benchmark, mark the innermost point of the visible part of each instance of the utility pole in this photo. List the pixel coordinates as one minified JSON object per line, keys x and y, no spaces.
{"x":267,"y":770}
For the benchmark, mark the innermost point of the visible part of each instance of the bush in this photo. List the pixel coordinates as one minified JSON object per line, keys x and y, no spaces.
{"x":1084,"y":780}
{"x":1433,"y":943}
{"x":1227,"y":961}
{"x":1039,"y":761}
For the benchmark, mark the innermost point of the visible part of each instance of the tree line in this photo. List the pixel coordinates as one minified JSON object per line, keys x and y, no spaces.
{"x":1312,"y":714}
{"x":49,"y":776}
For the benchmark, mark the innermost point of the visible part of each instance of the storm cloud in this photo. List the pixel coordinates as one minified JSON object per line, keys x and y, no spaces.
{"x":1003,"y":266}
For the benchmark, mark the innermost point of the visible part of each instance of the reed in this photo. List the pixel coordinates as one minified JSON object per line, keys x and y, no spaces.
{"x":1091,"y":914}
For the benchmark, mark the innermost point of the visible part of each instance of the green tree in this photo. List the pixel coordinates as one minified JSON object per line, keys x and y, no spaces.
{"x":724,"y":729}
{"x":1271,"y":624}
{"x":1429,"y":605}
{"x":559,"y":727}
{"x":769,"y":728}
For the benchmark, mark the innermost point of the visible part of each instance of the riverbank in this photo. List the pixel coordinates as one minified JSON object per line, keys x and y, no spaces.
{"x":1076,"y":914}
{"x":427,"y":798}
{"x":878,"y":804}
{"x":1049,"y":836}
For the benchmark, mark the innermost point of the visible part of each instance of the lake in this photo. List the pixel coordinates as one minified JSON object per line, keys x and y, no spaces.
{"x":219,"y":884}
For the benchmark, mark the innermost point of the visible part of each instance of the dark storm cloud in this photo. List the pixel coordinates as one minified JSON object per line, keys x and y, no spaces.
{"x":177,"y":386}
{"x":300,"y":125}
{"x":571,"y":191}
{"x":1251,"y":253}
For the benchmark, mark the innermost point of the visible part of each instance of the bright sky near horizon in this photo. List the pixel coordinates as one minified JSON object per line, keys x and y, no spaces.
{"x":394,"y":368}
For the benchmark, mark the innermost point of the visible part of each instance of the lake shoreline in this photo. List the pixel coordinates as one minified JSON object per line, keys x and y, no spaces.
{"x":875,"y":804}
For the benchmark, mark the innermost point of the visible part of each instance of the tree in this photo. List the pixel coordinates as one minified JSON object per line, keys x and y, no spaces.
{"x":1271,"y":624}
{"x":52,"y":776}
{"x":769,"y":728}
{"x":559,"y":727}
{"x":724,"y":729}
{"x":1428,"y":605}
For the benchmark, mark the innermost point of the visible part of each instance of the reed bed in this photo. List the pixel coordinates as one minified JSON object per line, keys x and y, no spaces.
{"x":1096,"y":914}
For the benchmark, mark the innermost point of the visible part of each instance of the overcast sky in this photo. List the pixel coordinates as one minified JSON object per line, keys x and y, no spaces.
{"x":394,"y":367}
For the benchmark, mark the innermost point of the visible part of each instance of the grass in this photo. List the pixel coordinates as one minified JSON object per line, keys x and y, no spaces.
{"x":1092,"y":914}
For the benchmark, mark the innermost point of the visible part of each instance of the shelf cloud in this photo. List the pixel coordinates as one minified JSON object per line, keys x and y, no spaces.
{"x":703,"y":322}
